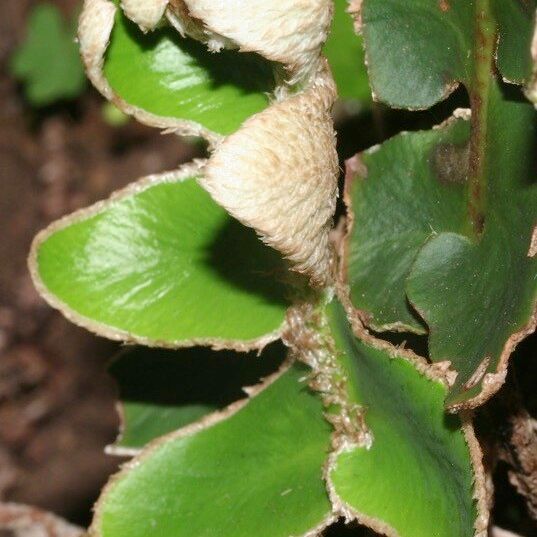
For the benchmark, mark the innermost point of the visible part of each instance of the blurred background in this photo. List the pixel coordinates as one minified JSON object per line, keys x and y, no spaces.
{"x":61,"y":148}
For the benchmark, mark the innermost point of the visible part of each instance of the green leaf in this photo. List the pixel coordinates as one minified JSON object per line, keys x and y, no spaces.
{"x":478,"y":296}
{"x":416,"y":478}
{"x":263,"y":461}
{"x":417,"y":50}
{"x":48,"y":61}
{"x":171,"y":76}
{"x":475,"y":283}
{"x":161,"y":391}
{"x":162,"y":264}
{"x":517,"y":22}
{"x":398,"y":195}
{"x":345,"y":53}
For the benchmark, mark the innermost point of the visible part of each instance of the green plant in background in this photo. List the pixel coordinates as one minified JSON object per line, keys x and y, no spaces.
{"x":48,"y":61}
{"x":439,"y":240}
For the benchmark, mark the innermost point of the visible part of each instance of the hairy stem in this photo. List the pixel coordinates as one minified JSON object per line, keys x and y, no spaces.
{"x":483,"y":78}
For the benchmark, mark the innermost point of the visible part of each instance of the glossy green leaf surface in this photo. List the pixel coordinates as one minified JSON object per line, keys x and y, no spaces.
{"x":408,"y":68}
{"x":417,"y":50}
{"x":161,"y":391}
{"x":163,"y":263}
{"x":476,"y":294}
{"x":517,"y":23}
{"x":398,"y":195}
{"x":259,"y":472}
{"x":474,"y":281}
{"x":171,"y":76}
{"x":345,"y":53}
{"x":417,"y":477}
{"x":48,"y":60}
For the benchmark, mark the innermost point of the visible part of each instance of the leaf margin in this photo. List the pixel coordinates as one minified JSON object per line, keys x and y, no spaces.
{"x":436,"y":372}
{"x":490,"y":382}
{"x":182,"y":173}
{"x":354,"y":166}
{"x":202,"y":424}
{"x":93,"y":47}
{"x":117,"y":449}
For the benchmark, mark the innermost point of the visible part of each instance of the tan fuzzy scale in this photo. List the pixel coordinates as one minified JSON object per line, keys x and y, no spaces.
{"x":308,"y":338}
{"x":180,"y":17}
{"x":290,"y":32}
{"x":145,"y":13}
{"x":278,"y":174}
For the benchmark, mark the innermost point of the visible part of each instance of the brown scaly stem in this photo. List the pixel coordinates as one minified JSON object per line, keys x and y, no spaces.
{"x":482,"y":79}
